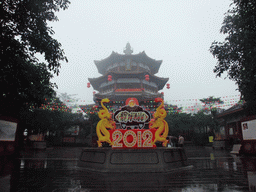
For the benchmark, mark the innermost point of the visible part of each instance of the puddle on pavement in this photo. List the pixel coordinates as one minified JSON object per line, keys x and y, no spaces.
{"x":208,"y":174}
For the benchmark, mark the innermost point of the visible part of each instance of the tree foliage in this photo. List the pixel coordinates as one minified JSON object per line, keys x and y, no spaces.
{"x":24,"y":85}
{"x":179,"y":122}
{"x":49,"y":119}
{"x":172,"y":109}
{"x":237,"y":54}
{"x":194,"y":127}
{"x":93,"y":118}
{"x":210,"y":104}
{"x":211,"y":101}
{"x":24,"y":32}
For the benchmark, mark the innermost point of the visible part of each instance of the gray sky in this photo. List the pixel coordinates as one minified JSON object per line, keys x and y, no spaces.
{"x":179,"y":32}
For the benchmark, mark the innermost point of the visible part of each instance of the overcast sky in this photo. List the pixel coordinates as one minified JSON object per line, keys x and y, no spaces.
{"x":179,"y":32}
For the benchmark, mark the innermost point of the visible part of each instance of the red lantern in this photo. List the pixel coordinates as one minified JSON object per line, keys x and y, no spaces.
{"x":168,"y":86}
{"x":109,"y":78}
{"x":147,"y":77}
{"x":88,"y":85}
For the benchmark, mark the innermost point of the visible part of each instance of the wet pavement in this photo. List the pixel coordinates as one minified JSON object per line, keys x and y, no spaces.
{"x":55,"y":170}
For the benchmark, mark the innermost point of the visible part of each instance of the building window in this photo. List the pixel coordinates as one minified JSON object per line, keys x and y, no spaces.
{"x":134,"y":64}
{"x":231,"y":131}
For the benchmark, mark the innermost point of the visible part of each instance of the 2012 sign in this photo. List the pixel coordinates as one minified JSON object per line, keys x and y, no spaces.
{"x":135,"y":138}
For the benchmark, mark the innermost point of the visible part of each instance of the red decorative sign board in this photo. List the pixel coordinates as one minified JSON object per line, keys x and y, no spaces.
{"x":130,"y":131}
{"x":132,"y":115}
{"x":136,"y":138}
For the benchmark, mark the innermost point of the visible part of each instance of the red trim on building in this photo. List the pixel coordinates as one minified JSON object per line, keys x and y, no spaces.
{"x":249,"y":118}
{"x":231,"y":112}
{"x":128,"y":90}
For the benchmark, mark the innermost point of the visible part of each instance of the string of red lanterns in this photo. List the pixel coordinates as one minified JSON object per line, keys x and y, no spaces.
{"x":147,"y":77}
{"x":109,"y":78}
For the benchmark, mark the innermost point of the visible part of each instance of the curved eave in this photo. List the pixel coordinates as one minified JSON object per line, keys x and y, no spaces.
{"x":236,"y":108}
{"x":96,"y":82}
{"x":139,"y":96}
{"x":153,"y":64}
{"x":160,"y":81}
{"x":103,"y":64}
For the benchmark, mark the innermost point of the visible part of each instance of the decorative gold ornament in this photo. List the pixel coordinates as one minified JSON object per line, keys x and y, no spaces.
{"x":104,"y":124}
{"x":160,"y":124}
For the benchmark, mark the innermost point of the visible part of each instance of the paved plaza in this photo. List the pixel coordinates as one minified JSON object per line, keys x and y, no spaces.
{"x":55,"y":170}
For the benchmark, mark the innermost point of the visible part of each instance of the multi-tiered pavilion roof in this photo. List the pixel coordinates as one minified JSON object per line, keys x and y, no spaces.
{"x":123,"y":76}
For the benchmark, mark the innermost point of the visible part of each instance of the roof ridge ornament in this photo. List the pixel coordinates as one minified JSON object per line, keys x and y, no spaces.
{"x":128,"y":50}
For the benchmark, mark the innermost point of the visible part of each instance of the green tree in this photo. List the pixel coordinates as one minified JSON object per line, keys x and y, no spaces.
{"x":172,"y":109}
{"x":24,"y":85}
{"x":24,"y":33}
{"x":210,"y":104}
{"x":51,"y":117}
{"x":202,"y":123}
{"x":179,"y":123}
{"x":237,"y":54}
{"x":93,"y":118}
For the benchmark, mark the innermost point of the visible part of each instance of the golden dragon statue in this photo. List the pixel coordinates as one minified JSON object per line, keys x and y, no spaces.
{"x":160,"y":124}
{"x":104,"y":124}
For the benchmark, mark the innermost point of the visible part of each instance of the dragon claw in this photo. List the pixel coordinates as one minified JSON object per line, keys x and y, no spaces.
{"x":165,"y":143}
{"x":99,"y":144}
